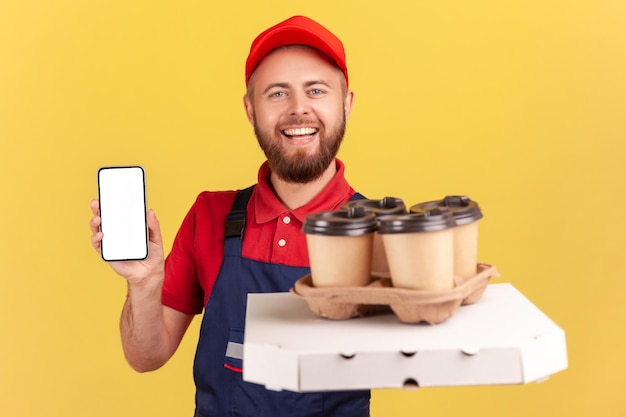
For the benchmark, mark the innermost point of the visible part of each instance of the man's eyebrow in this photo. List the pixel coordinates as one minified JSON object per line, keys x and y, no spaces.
{"x":317,"y":82}
{"x":287,"y":85}
{"x":275,"y":85}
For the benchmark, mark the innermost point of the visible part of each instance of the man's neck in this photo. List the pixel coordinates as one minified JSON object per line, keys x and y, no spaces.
{"x":294,"y":195}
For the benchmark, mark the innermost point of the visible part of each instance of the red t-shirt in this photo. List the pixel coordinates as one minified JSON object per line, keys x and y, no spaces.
{"x":273,"y":235}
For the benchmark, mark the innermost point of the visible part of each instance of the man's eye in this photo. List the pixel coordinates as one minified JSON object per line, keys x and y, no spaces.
{"x":278,"y":94}
{"x":316,"y":92}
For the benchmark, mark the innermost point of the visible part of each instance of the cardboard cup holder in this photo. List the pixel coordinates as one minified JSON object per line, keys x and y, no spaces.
{"x":410,"y":306}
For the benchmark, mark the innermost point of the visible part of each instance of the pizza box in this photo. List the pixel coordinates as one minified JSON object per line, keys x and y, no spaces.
{"x":503,"y":338}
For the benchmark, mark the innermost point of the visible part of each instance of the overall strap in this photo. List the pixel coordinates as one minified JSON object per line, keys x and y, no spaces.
{"x":357,"y":196}
{"x":236,"y":219}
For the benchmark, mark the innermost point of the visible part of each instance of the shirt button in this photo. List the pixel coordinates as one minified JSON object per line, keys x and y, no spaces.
{"x":282,"y":242}
{"x":286,"y":219}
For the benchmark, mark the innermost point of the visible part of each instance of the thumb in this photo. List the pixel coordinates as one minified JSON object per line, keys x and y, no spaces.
{"x":154,"y":228}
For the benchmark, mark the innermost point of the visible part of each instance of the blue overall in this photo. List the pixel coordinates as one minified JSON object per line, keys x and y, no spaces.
{"x":220,"y":389}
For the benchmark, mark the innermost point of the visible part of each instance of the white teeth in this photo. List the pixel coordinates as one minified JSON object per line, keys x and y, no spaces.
{"x":300,"y":131}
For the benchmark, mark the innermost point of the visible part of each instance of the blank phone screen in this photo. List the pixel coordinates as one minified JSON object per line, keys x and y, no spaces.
{"x":122,"y":197}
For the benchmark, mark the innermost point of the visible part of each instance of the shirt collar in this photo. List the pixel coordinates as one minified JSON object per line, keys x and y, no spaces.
{"x":267,"y":206}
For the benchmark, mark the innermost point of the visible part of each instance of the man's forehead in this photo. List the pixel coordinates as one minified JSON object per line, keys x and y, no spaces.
{"x":284,"y":61}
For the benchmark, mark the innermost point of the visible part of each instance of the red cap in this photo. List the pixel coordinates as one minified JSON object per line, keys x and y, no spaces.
{"x":297,"y":30}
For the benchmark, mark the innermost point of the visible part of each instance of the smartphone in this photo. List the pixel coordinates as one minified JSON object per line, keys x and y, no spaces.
{"x":122,"y":195}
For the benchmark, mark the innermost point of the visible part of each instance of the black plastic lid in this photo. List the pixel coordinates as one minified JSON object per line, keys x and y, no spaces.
{"x":384,"y":207}
{"x":462,"y":208}
{"x":433,"y":220}
{"x":352,"y":222}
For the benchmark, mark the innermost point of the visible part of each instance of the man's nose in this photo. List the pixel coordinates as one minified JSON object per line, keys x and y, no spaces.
{"x":299,"y":104}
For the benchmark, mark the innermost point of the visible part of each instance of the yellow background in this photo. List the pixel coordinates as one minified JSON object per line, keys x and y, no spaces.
{"x":520,"y":104}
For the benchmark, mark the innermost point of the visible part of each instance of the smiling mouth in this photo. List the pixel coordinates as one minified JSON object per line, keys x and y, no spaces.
{"x":299,"y":132}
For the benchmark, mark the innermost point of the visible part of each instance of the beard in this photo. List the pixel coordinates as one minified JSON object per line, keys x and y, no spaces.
{"x":301,"y":167}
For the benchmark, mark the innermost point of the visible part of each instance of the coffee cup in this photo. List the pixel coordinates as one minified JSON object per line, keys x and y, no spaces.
{"x":387,"y":206}
{"x":420,"y":249}
{"x":340,"y":247}
{"x":466,"y":214}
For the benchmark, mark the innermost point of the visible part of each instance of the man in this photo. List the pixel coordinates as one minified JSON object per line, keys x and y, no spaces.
{"x":233,"y":243}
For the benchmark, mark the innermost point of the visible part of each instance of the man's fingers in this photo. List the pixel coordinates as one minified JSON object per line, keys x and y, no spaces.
{"x":96,"y":241}
{"x":95,"y":206}
{"x":94,"y":225}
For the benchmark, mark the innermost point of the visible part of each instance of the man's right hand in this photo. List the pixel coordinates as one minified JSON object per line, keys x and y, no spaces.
{"x":145,"y":272}
{"x":150,"y":331}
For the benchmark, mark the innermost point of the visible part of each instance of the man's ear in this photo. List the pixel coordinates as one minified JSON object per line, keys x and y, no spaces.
{"x":249,"y":109}
{"x":347,"y":103}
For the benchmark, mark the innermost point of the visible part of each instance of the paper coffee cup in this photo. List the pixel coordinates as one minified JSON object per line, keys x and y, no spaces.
{"x":420,"y":249}
{"x":466,"y":214}
{"x":387,"y":206}
{"x":340,"y":247}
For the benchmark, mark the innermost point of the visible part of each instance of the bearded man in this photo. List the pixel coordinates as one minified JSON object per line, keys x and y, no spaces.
{"x":232,"y":243}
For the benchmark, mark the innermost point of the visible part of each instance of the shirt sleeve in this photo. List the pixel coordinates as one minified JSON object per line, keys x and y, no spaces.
{"x":181,"y":287}
{"x":197,"y":251}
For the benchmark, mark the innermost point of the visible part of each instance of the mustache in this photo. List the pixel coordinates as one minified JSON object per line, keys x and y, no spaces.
{"x":299,"y":121}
